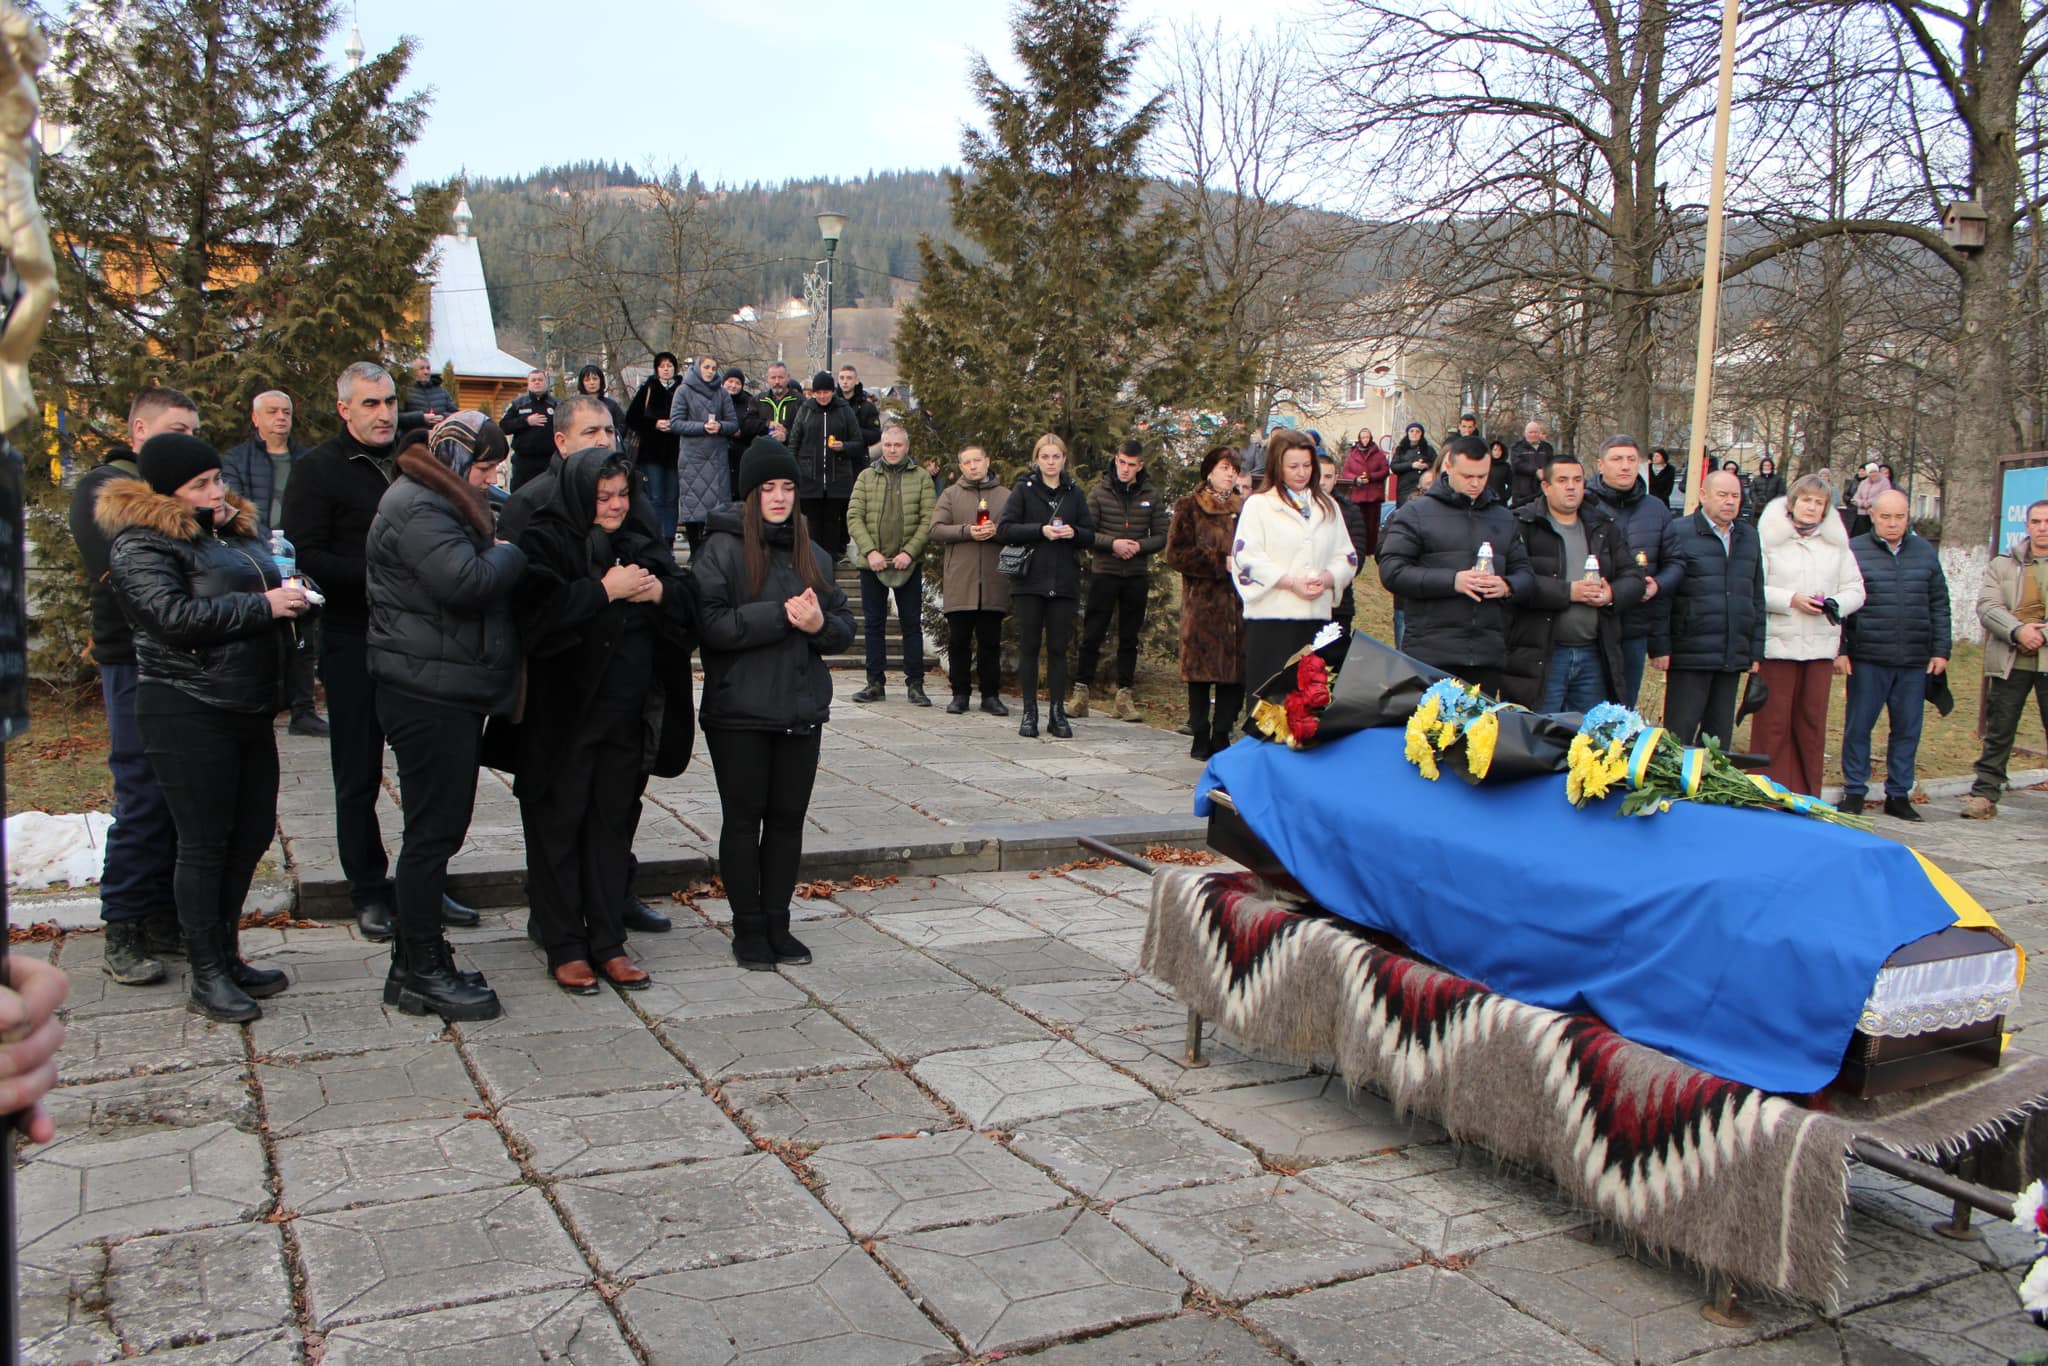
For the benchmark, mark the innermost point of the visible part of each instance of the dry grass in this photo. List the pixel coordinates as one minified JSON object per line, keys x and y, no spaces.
{"x":60,"y":764}
{"x":1948,"y":744}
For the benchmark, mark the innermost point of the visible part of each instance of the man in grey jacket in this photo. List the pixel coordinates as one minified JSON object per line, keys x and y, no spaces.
{"x":259,"y":469}
{"x":2013,"y":608}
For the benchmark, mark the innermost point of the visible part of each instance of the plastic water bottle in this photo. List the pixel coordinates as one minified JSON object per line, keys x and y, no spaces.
{"x":287,"y":558}
{"x":1484,"y":564}
{"x":1592,"y":567}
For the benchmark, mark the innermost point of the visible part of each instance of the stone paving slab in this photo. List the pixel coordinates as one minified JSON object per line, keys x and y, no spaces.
{"x":1023,"y":962}
{"x":329,"y":1024}
{"x":426,"y":1081}
{"x":519,"y":1330}
{"x":1449,"y":1200}
{"x":1310,"y":1120}
{"x":912,"y":1027}
{"x":870,"y":976}
{"x":955,"y":927}
{"x":1190,"y":1340}
{"x":679,"y":997}
{"x":277,"y":1348}
{"x":587,"y":1062}
{"x":899,"y":1185}
{"x":621,"y":1131}
{"x":836,"y":1107}
{"x":211,"y":1283}
{"x":79,"y":1189}
{"x":1424,"y":1315}
{"x":62,"y":1309}
{"x":826,"y":1305}
{"x":770,"y":1043}
{"x":378,"y":1164}
{"x":727,"y":1209}
{"x":1260,"y":1235}
{"x":428,"y":1254}
{"x":1156,"y":1057}
{"x":1127,"y":1150}
{"x":530,"y":1009}
{"x":97,"y":1047}
{"x":1033,"y":1278}
{"x":1009,"y":1083}
{"x":1969,"y":1321}
{"x":159,"y":1100}
{"x":1100,"y":1002}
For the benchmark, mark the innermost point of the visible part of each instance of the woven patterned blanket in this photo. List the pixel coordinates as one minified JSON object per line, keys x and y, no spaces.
{"x":1738,"y":1180}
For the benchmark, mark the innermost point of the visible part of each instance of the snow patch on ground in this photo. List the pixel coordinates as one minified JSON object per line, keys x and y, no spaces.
{"x":56,"y":851}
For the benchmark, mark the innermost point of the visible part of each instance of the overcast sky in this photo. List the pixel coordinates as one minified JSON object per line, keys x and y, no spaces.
{"x":767,"y":91}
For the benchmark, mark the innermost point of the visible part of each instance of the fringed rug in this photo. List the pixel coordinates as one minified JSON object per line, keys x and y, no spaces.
{"x":1737,"y":1179}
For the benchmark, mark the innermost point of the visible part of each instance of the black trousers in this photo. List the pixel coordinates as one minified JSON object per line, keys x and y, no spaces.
{"x":218,"y":773}
{"x":298,"y":669}
{"x":1268,"y":644}
{"x":579,"y":840}
{"x":355,"y":749}
{"x":1700,"y":702}
{"x":1216,"y":727}
{"x":764,"y":789}
{"x":1052,"y":620}
{"x":1121,"y":595}
{"x":436,"y":746}
{"x":974,"y":645}
{"x":827,"y":519}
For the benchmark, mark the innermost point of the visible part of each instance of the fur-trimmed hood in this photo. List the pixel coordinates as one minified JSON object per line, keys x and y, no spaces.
{"x":432,"y":474}
{"x":1774,"y":526}
{"x":126,"y":503}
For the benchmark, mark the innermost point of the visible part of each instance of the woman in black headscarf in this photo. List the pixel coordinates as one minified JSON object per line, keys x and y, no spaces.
{"x":608,"y":620}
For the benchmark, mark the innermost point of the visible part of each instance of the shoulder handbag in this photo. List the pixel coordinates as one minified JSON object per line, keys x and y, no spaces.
{"x":1015,"y":560}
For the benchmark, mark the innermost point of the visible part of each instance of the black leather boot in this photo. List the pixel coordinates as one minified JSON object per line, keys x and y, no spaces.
{"x":428,"y":983}
{"x":750,"y":946}
{"x":1028,"y":727}
{"x":1056,"y":722}
{"x":786,"y":946}
{"x":214,"y":991}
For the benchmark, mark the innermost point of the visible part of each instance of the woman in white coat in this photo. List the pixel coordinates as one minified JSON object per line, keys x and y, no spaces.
{"x":1291,"y":560}
{"x":1811,"y":582}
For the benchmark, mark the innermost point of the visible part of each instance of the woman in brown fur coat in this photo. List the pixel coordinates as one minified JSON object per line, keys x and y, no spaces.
{"x":1211,"y":613}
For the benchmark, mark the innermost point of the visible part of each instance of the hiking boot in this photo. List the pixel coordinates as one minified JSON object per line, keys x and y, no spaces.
{"x":958,"y":706}
{"x":873,"y":692}
{"x":1127,"y":706}
{"x":1028,"y":727}
{"x":1979,"y":809}
{"x":994,"y":705}
{"x":1056,"y":723}
{"x":1901,"y":809}
{"x":1850,"y":806}
{"x":1077,"y":700}
{"x":915,"y":692}
{"x":308,"y":723}
{"x":428,"y":983}
{"x":127,"y":958}
{"x":161,"y":935}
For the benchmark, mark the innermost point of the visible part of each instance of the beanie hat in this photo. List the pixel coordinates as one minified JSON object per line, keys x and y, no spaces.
{"x":766,"y":459}
{"x":735,"y":373}
{"x":171,"y":460}
{"x":467,"y":437}
{"x":822,"y":380}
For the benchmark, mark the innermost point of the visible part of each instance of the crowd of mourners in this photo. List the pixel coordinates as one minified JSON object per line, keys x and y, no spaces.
{"x":544,"y":625}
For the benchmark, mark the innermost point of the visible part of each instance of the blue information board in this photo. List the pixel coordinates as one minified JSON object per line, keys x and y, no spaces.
{"x":2017,"y":488}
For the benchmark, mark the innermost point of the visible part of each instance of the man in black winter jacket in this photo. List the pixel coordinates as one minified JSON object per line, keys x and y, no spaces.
{"x":1564,"y":645}
{"x":1526,"y":461}
{"x":1717,"y":615}
{"x":1619,"y":486}
{"x":1891,"y":647}
{"x":428,"y":401}
{"x":831,"y":449}
{"x":142,"y":845}
{"x":864,"y":408}
{"x":328,"y":509}
{"x":526,"y":425}
{"x":1457,"y":613}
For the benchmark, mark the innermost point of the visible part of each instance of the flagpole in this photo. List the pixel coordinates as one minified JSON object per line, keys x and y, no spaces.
{"x":1710,"y":275}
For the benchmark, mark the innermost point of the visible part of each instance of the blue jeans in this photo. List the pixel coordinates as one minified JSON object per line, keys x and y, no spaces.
{"x":1575,"y":681}
{"x":142,"y":846}
{"x":662,"y":491}
{"x":1634,"y":655}
{"x":874,"y":611}
{"x":1902,"y":695}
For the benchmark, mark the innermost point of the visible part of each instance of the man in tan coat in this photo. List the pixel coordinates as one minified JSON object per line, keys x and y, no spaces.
{"x":974,"y":593}
{"x":2013,"y":607}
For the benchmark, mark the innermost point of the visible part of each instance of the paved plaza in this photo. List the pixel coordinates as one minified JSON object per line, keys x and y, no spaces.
{"x":963,"y":1133}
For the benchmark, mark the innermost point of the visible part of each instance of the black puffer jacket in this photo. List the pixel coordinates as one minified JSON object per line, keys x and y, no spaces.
{"x":761,"y":673}
{"x":822,"y":472}
{"x":1525,"y":470}
{"x":1424,"y":547}
{"x":195,"y":595}
{"x":1904,"y":620}
{"x":440,"y":592}
{"x":328,"y":507}
{"x":1055,"y":565}
{"x":1127,"y":512}
{"x":112,"y":639}
{"x":1653,"y":540}
{"x":426,"y":400}
{"x":1717,"y":614}
{"x":1535,"y":623}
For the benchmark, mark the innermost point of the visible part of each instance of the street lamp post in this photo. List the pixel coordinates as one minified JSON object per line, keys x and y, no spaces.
{"x":830,"y":225}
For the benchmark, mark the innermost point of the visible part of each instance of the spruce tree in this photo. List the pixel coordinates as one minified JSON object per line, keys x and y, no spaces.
{"x":224,"y":217}
{"x":1083,"y":313}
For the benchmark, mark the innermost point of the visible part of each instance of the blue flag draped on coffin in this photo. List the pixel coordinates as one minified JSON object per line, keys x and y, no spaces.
{"x":1743,"y":942}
